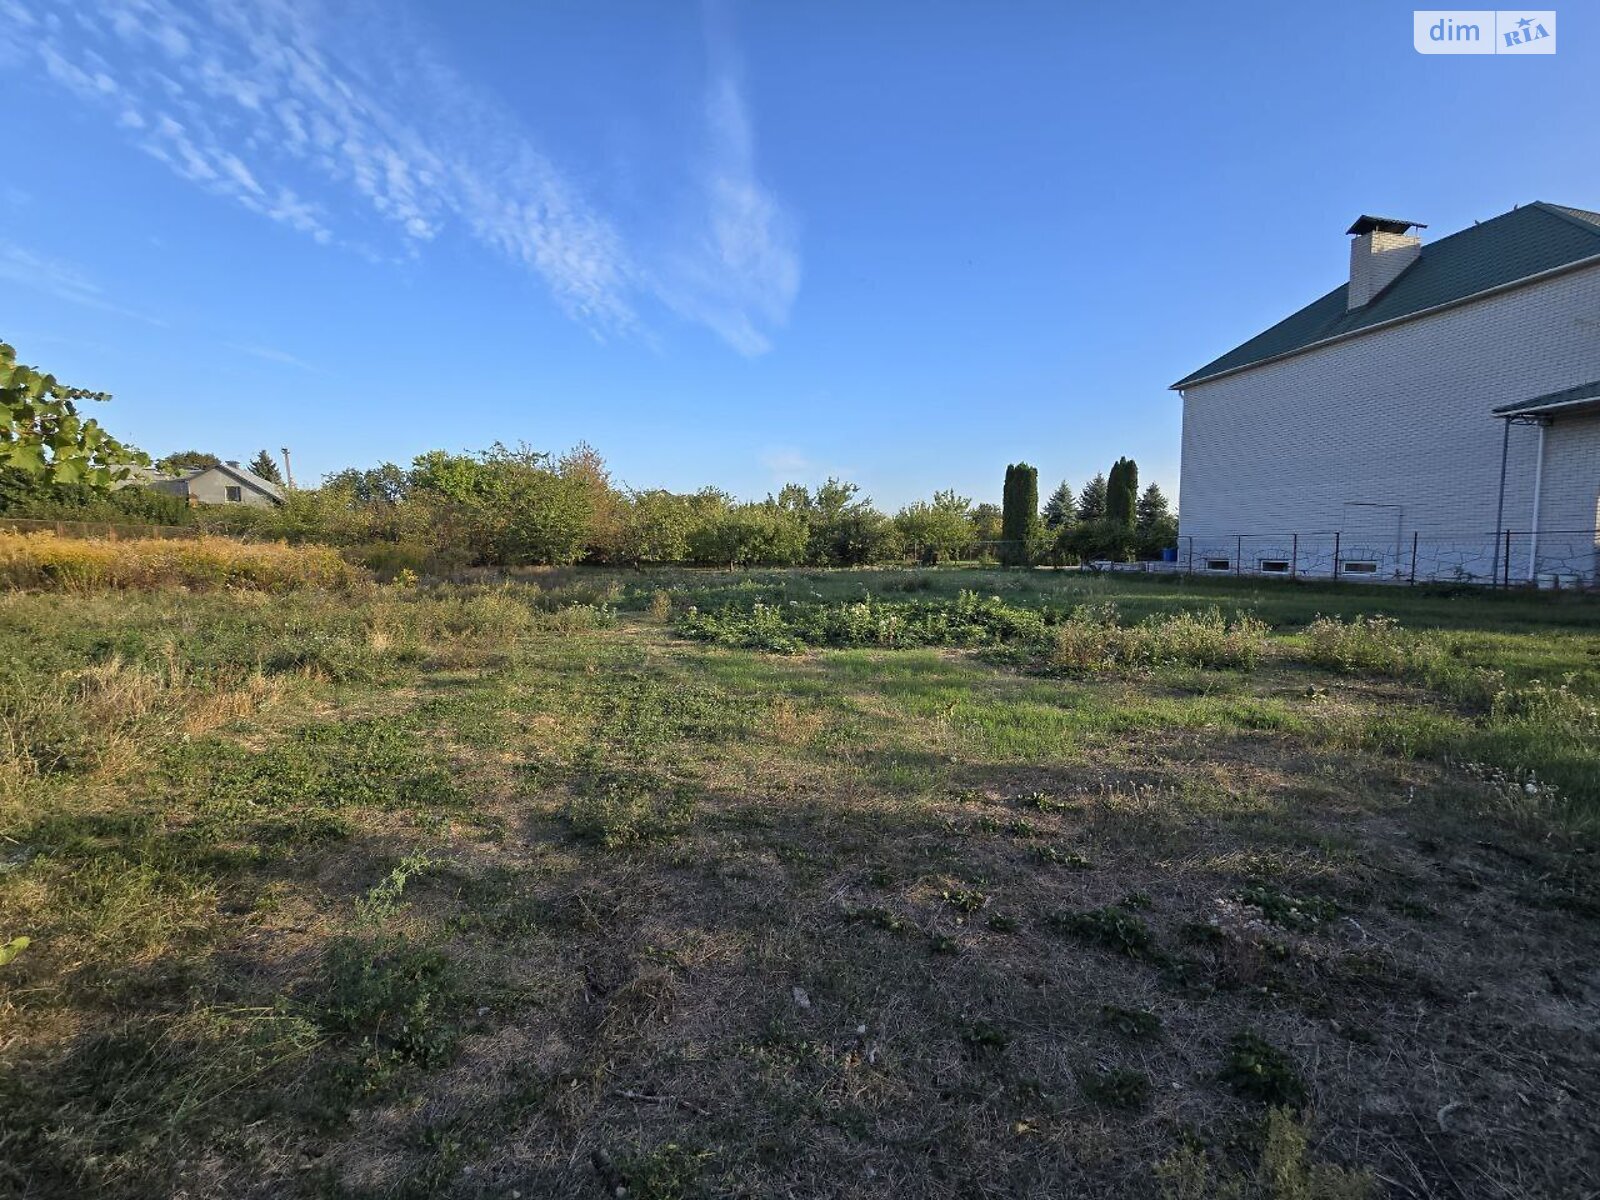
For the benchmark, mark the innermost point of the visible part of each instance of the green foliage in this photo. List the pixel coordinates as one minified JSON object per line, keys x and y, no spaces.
{"x":1093,"y":638}
{"x":34,"y":497}
{"x":517,"y":507}
{"x":1092,"y":500}
{"x":933,"y":532}
{"x":383,"y":484}
{"x":264,"y":466}
{"x":669,"y":1172}
{"x":187,"y":460}
{"x":987,"y":525}
{"x":969,"y":620}
{"x":751,"y":535}
{"x":1113,"y":928}
{"x":1282,"y":1171}
{"x":615,"y":809}
{"x":1154,"y":524}
{"x":1062,"y":507}
{"x":1134,"y":1023}
{"x":1115,"y":1087}
{"x":656,"y":526}
{"x":42,"y":434}
{"x":1289,"y":912}
{"x":1372,"y":644}
{"x":393,"y":997}
{"x":1019,"y":521}
{"x":1258,"y":1070}
{"x":1122,"y":491}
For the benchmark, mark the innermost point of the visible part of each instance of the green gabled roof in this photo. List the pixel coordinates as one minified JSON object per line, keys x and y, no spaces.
{"x":1525,"y":241}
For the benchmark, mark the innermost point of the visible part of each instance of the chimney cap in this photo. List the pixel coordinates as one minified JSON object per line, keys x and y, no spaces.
{"x":1366,"y":224}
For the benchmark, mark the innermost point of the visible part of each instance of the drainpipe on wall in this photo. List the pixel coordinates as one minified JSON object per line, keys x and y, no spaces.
{"x":1500,"y":505}
{"x":1533,"y":525}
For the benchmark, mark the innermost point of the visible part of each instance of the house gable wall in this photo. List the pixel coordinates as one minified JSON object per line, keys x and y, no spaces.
{"x":1398,"y":417}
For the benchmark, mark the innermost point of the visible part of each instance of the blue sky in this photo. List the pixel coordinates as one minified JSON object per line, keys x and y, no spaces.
{"x":906,"y":243}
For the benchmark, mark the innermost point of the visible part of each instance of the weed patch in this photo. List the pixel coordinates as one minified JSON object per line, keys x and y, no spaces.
{"x":1110,"y":928}
{"x":396,"y":1001}
{"x":1258,"y":1070}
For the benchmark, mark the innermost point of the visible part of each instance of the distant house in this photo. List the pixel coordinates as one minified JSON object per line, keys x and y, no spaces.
{"x":226,"y":483}
{"x":1443,"y":395}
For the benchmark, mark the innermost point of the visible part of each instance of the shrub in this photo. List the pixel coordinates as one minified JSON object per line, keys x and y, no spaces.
{"x":393,"y":996}
{"x":1093,"y":639}
{"x":619,"y":809}
{"x":45,"y":560}
{"x":1376,"y":645}
{"x":1258,"y":1070}
{"x":969,"y":620}
{"x":1112,"y":928}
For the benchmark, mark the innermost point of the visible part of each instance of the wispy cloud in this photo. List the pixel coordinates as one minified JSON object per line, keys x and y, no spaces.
{"x":37,"y":273}
{"x":788,"y":463}
{"x":270,"y":354}
{"x":264,"y":103}
{"x":741,"y":271}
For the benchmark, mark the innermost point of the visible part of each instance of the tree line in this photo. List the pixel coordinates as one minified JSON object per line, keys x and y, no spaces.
{"x":513,"y":506}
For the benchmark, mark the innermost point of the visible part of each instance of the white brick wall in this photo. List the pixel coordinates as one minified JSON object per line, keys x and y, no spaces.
{"x":1569,"y":496}
{"x":1398,"y":417}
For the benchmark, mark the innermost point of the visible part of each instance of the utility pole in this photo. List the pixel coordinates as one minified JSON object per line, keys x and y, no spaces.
{"x":288,"y":474}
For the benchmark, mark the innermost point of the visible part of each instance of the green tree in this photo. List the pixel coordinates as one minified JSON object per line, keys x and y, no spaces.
{"x":1122,"y":492}
{"x":1019,"y":520}
{"x":187,"y":460}
{"x":937,"y":531}
{"x":1092,"y":500}
{"x":657,"y":526}
{"x":511,"y":505}
{"x":1062,"y":507}
{"x":263,"y":466}
{"x":42,"y":434}
{"x":1154,"y":523}
{"x":750,"y":535}
{"x":986,"y":526}
{"x":386,"y":483}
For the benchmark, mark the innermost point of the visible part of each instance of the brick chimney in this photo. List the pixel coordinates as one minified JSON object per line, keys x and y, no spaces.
{"x":1382,"y":249}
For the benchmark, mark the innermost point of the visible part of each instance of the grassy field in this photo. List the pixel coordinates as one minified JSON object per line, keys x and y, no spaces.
{"x":887,"y":883}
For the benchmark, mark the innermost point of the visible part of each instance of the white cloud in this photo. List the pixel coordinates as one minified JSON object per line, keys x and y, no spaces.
{"x":37,"y":273}
{"x":270,"y":354}
{"x":788,"y":463}
{"x":259,"y":101}
{"x":741,"y":273}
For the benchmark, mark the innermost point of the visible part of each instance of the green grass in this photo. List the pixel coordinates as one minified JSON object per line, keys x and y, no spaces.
{"x":941,"y":882}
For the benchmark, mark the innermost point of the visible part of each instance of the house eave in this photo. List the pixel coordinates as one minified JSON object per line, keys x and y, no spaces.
{"x":1186,"y":383}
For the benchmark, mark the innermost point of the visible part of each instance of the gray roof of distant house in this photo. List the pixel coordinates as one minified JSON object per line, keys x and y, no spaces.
{"x":1566,"y":400}
{"x":1517,"y":245}
{"x":153,"y":477}
{"x":250,"y":477}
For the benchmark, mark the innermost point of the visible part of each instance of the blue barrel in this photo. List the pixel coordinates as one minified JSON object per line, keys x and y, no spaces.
{"x":1169,"y":554}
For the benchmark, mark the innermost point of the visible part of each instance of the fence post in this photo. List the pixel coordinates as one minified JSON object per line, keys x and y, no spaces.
{"x":1238,"y":554}
{"x":1507,"y":559}
{"x":1336,"y":554}
{"x":1414,"y":556}
{"x":1294,"y":556}
{"x":1190,"y":571}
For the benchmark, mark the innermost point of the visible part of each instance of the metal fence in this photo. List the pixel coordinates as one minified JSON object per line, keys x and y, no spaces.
{"x":1550,"y":558}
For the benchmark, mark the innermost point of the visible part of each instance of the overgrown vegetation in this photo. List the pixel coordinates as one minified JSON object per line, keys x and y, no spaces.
{"x":462,"y":890}
{"x":44,"y":560}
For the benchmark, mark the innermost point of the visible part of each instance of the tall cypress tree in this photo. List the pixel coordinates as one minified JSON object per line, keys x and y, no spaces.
{"x":1019,"y":515}
{"x":1122,"y":492}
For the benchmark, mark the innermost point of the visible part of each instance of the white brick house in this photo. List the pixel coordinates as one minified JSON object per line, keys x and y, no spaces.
{"x":1447,"y":393}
